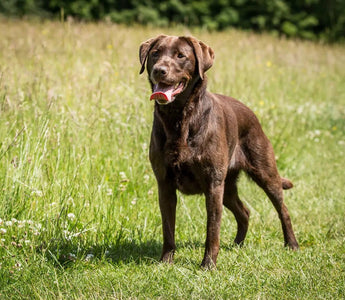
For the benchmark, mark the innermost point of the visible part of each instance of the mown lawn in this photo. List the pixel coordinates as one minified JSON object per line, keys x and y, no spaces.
{"x":79,"y":216}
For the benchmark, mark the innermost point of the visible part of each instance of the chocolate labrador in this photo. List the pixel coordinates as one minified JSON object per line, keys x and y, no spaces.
{"x":200,"y":141}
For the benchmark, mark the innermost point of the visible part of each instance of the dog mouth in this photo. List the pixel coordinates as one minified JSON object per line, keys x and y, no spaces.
{"x":165,"y":93}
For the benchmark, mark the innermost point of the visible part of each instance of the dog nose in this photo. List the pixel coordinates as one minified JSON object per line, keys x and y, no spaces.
{"x":160,"y":71}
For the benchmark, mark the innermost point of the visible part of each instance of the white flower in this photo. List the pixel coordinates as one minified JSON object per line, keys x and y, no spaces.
{"x":18,"y":265}
{"x":89,"y":257}
{"x":3,"y":230}
{"x":71,"y":256}
{"x":71,"y":216}
{"x":109,"y":192}
{"x":37,"y":193}
{"x":123,"y":176}
{"x":8,"y":223}
{"x":21,"y":224}
{"x":134,"y":201}
{"x":146,"y":178}
{"x":70,"y":201}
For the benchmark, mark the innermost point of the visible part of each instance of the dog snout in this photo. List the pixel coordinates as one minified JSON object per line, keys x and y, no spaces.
{"x":160,"y":72}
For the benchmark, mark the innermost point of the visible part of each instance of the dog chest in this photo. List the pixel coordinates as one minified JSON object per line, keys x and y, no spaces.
{"x":186,"y":168}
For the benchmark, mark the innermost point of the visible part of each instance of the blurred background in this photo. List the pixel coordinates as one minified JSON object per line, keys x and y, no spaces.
{"x":307,"y":19}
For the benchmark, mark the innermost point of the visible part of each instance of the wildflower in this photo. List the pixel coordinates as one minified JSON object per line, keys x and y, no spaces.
{"x":109,"y":192}
{"x":268,"y":64}
{"x":3,"y":230}
{"x":37,"y":193}
{"x":70,"y":201}
{"x":71,"y":216}
{"x":21,"y":224}
{"x":18,"y":265}
{"x":8,"y":223}
{"x":261,"y":103}
{"x":123,"y":176}
{"x":334,"y":128}
{"x":89,"y":257}
{"x":150,"y":192}
{"x":146,"y":178}
{"x":72,"y":256}
{"x":134,"y":201}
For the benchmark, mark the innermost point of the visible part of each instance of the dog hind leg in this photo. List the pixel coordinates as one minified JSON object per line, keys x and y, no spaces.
{"x":263,"y":171}
{"x":232,"y":201}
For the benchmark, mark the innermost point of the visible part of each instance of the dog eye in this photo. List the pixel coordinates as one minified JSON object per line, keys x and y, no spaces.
{"x":155,"y":53}
{"x":180,"y":55}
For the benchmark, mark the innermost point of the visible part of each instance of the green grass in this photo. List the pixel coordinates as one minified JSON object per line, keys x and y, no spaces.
{"x":79,"y":216}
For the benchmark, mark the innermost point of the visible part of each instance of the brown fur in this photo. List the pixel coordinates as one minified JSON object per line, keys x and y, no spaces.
{"x":201,"y":141}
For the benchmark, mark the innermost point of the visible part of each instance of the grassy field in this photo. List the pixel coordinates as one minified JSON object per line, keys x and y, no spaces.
{"x":79,"y":216}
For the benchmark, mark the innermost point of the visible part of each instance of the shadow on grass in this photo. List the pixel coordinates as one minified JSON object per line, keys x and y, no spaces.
{"x":132,"y":251}
{"x":64,"y":253}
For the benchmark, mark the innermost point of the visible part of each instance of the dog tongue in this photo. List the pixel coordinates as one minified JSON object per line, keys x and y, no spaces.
{"x":162,"y":92}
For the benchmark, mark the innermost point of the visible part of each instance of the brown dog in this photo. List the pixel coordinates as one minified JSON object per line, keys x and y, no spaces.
{"x":201,"y":141}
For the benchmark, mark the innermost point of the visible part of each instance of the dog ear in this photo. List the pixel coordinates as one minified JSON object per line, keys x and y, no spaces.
{"x":204,"y":55}
{"x":144,"y":50}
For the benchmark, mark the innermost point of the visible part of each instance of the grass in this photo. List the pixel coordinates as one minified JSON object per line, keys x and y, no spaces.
{"x":79,"y":216}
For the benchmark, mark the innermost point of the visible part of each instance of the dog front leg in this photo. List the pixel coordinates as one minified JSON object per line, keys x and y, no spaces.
{"x":214,"y":207}
{"x":167,"y":204}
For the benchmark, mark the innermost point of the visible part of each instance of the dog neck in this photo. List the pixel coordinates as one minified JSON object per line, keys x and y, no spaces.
{"x":176,"y":116}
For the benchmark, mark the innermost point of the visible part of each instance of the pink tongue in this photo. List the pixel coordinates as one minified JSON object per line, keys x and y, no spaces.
{"x":162,"y":92}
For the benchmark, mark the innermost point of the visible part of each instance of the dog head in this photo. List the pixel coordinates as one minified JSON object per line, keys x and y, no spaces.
{"x":172,"y":62}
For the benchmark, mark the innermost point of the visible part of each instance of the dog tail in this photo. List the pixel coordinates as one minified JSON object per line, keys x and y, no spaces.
{"x":286,"y":184}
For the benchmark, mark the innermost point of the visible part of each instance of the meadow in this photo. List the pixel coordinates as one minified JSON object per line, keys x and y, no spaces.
{"x":79,"y":215}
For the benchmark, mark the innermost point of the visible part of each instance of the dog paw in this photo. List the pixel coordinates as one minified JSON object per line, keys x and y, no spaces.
{"x":167,"y":257}
{"x":208,"y":264}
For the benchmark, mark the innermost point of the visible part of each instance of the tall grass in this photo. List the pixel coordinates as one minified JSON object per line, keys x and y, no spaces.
{"x":79,"y":216}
